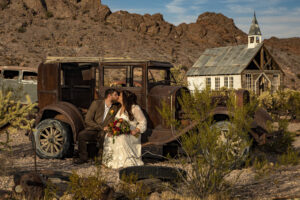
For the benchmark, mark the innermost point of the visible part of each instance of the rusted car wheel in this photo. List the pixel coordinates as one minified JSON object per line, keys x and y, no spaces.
{"x":239,"y":147}
{"x":52,"y":139}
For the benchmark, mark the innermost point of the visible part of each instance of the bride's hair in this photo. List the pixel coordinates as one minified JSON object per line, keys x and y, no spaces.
{"x":129,"y":99}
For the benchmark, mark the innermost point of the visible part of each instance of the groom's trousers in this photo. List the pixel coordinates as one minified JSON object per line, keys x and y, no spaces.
{"x":86,"y":137}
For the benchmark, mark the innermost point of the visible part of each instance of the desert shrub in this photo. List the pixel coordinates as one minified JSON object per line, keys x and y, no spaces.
{"x":209,"y":152}
{"x":294,"y":104}
{"x":87,"y":188}
{"x":281,"y":139}
{"x":281,"y":104}
{"x":291,"y":157}
{"x":50,"y":191}
{"x":133,"y":189}
{"x":14,"y":114}
{"x":179,"y":72}
{"x":261,"y":166}
{"x":92,"y":187}
{"x":16,"y":92}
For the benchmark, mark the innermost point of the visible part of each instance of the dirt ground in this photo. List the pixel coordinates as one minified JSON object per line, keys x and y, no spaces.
{"x":283,"y":182}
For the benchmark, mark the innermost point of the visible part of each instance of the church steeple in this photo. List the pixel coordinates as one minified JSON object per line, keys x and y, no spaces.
{"x":254,"y":35}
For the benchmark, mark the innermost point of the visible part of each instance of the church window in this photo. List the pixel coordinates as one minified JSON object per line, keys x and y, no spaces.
{"x":208,"y":83}
{"x":230,"y":82}
{"x":217,"y":83}
{"x":226,"y":81}
{"x":249,"y":81}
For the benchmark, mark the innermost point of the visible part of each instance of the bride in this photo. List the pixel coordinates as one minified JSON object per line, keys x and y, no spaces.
{"x":125,"y":150}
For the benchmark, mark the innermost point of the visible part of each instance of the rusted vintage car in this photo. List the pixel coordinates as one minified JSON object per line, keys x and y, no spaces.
{"x":22,"y":80}
{"x":67,"y":86}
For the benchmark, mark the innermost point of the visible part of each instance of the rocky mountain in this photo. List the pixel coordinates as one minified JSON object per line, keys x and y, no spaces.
{"x":30,"y":30}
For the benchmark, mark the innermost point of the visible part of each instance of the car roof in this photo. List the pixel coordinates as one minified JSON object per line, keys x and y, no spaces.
{"x":30,"y":69}
{"x":104,"y":60}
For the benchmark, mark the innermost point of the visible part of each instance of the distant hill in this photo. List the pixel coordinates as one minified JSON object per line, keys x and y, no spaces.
{"x":30,"y":30}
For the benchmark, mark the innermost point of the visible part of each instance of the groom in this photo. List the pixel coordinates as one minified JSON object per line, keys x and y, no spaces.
{"x":99,"y":115}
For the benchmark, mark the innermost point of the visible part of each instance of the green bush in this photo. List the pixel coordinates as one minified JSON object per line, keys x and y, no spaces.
{"x":281,"y":139}
{"x":93,"y":187}
{"x":291,"y":157}
{"x":14,"y":114}
{"x":211,"y":153}
{"x":282,"y":104}
{"x":179,"y":73}
{"x":133,"y":190}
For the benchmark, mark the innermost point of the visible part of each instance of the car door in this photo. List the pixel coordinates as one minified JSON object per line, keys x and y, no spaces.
{"x":29,"y":84}
{"x":11,"y":81}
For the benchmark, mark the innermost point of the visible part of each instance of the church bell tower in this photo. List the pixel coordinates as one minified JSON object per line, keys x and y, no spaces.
{"x":254,"y":35}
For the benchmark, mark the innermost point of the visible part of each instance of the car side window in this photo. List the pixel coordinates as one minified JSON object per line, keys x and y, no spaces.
{"x":115,"y":77}
{"x":123,"y":76}
{"x":156,"y":75}
{"x":30,"y":77}
{"x":137,"y":77}
{"x":11,"y":74}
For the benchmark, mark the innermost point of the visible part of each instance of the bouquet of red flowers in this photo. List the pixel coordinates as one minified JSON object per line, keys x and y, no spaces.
{"x":118,"y":127}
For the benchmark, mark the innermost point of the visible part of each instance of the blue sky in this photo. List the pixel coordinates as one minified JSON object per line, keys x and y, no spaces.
{"x":279,"y":18}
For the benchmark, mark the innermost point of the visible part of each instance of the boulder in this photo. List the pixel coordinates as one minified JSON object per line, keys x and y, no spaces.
{"x":61,"y":9}
{"x":29,"y":186}
{"x":35,"y":5}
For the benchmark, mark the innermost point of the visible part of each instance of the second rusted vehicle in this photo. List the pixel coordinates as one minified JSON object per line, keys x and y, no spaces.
{"x":67,"y":86}
{"x":21,"y":80}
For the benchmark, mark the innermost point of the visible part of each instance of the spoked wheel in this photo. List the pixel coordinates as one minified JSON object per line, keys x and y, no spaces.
{"x":52,"y":139}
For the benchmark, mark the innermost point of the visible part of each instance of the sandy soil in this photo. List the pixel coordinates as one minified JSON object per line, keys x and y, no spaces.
{"x":280,"y":182}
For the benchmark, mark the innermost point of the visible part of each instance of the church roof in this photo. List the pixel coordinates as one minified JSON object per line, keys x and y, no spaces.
{"x":254,"y":28}
{"x":224,"y":60}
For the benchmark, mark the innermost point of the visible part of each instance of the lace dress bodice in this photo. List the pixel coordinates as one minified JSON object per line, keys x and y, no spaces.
{"x":139,"y":121}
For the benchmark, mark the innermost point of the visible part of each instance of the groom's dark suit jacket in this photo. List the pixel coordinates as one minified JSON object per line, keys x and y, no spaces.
{"x":94,"y":116}
{"x":94,"y":127}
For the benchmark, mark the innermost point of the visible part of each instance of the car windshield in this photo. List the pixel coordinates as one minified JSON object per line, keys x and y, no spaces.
{"x":160,"y":75}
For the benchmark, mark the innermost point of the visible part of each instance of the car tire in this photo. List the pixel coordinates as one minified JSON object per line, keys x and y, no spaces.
{"x":52,"y":139}
{"x":153,"y":172}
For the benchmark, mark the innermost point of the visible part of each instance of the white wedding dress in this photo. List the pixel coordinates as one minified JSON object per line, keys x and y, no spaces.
{"x":126,"y":150}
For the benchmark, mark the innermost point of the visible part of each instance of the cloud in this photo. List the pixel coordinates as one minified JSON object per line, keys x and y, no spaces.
{"x":283,"y":26}
{"x":296,"y":11}
{"x":256,"y":2}
{"x":274,"y":11}
{"x":238,"y":9}
{"x":176,"y":6}
{"x":186,"y":11}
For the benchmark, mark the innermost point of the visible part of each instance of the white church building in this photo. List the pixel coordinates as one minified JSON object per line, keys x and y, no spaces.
{"x":249,"y":66}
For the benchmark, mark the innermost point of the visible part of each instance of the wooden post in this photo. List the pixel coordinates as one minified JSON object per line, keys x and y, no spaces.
{"x":262,"y":58}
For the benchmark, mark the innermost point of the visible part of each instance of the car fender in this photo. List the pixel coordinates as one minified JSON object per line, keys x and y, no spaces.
{"x":65,"y":112}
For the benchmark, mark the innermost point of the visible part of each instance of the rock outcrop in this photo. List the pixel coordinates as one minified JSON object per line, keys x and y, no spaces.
{"x":30,"y":30}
